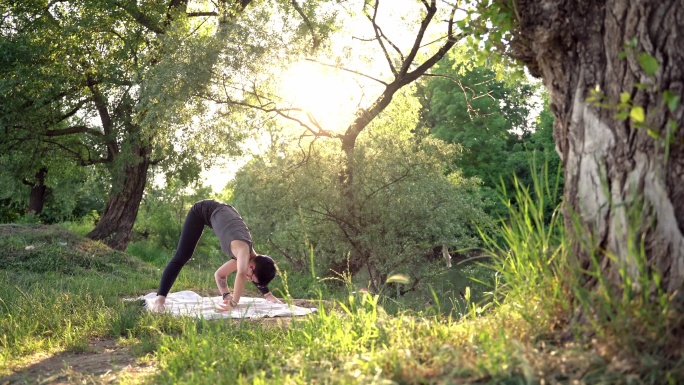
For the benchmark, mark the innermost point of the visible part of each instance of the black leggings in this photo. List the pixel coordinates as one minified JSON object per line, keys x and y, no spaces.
{"x":190,"y":235}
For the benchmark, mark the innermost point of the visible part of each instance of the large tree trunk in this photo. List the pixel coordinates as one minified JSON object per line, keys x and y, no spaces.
{"x":116,"y":223}
{"x":621,"y":185}
{"x":38,"y":192}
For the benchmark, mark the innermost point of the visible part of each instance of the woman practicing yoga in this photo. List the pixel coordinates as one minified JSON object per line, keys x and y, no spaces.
{"x":236,"y":241}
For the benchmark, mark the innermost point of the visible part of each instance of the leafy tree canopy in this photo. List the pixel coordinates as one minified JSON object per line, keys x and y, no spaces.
{"x":130,"y":80}
{"x":404,"y":202}
{"x":465,"y":104}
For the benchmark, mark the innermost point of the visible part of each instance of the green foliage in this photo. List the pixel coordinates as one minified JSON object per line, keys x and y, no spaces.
{"x":634,"y":311}
{"x":134,"y":83}
{"x":71,"y":191}
{"x":149,"y":252}
{"x":42,"y":249}
{"x":350,"y":340}
{"x":534,"y":157}
{"x":405,"y":203}
{"x":628,"y":109}
{"x":540,"y":277}
{"x":648,"y":63}
{"x":82,"y":226}
{"x":489,"y":27}
{"x":58,"y":319}
{"x":442,"y":291}
{"x":10,"y":210}
{"x":489,"y":120}
{"x":163,"y":211}
{"x":59,"y":290}
{"x":160,"y":221}
{"x":531,"y":256}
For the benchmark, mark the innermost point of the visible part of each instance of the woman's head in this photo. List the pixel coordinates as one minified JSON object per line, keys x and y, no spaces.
{"x":264,"y":269}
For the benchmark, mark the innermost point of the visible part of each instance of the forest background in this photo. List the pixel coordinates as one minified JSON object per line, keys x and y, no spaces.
{"x":428,"y":170}
{"x":397,"y":150}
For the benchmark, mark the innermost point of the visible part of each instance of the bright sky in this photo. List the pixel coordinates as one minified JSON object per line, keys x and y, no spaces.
{"x":330,"y":95}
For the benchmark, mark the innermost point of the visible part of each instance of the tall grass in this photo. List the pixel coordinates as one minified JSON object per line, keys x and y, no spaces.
{"x":529,"y":331}
{"x":353,"y":342}
{"x":530,"y":253}
{"x":631,"y":315}
{"x":630,"y":324}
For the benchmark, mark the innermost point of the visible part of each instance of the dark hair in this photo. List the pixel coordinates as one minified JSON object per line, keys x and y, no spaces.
{"x":264,"y":269}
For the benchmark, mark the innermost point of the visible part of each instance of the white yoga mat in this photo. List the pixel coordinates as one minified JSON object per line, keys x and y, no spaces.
{"x":188,"y":303}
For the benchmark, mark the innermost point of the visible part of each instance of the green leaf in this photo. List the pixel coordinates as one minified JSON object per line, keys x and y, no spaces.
{"x":631,"y":43}
{"x":624,"y":97}
{"x":637,"y":114}
{"x":653,"y":134}
{"x":671,"y":100}
{"x":621,"y":115}
{"x":501,"y":17}
{"x":648,"y":63}
{"x":399,"y":278}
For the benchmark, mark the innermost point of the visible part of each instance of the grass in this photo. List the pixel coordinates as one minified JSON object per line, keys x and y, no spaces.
{"x":59,"y":291}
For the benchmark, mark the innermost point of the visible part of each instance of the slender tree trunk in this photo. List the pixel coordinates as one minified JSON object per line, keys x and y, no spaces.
{"x":352,"y":226}
{"x":38,"y":192}
{"x":349,"y":215}
{"x":115,"y":226}
{"x":624,"y":187}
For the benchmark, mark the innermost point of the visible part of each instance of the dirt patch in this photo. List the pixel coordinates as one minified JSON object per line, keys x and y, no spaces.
{"x":104,"y":361}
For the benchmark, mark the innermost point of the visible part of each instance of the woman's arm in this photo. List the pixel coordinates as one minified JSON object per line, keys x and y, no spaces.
{"x":241,"y":250}
{"x":222,"y":273}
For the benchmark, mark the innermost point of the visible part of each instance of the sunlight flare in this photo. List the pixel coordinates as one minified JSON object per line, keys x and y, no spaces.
{"x":327,"y":96}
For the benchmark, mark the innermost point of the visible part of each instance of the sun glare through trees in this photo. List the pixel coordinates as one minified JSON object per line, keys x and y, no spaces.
{"x":327,"y":96}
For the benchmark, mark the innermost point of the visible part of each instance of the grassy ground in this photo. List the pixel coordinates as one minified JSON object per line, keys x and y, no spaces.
{"x":63,"y":320}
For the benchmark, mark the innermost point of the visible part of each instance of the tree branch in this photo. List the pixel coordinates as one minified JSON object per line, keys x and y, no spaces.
{"x":348,"y":70}
{"x":403,"y":78}
{"x":431,"y":11}
{"x":429,"y":63}
{"x":79,"y":158}
{"x":469,"y":107}
{"x":377,"y":35}
{"x":73,"y":130}
{"x":269,"y":106}
{"x":284,"y":254}
{"x":105,"y":118}
{"x":200,"y":14}
{"x":316,"y":39}
{"x":132,"y":9}
{"x":385,"y":185}
{"x":154,"y":162}
{"x":72,"y":112}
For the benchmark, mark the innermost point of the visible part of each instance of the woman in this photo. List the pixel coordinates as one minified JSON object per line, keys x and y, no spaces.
{"x":236,"y":241}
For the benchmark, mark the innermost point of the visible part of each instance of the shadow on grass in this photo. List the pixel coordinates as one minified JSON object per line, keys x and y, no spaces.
{"x":103,"y":361}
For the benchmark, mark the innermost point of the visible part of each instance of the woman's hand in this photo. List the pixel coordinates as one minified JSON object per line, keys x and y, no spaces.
{"x":158,"y":306}
{"x":224,"y":306}
{"x":271,"y":298}
{"x":228,"y":304}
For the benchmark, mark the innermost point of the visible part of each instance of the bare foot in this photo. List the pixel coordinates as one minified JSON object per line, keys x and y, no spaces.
{"x":158,"y":306}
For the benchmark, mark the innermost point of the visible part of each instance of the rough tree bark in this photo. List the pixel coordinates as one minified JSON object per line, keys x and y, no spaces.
{"x":620,"y":185}
{"x":38,"y":192}
{"x":116,"y":224}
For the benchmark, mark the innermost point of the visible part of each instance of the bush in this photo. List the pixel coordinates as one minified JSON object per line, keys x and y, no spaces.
{"x":401,"y":205}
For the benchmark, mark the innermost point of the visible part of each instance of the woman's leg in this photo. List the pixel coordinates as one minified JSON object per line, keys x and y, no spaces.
{"x":190,"y":235}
